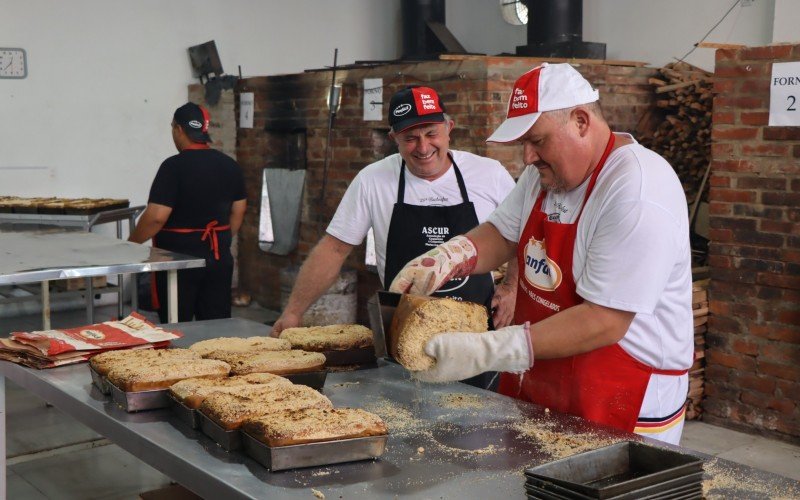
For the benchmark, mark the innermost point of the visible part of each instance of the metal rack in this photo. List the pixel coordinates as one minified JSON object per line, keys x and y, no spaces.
{"x":83,"y":222}
{"x":42,"y":256}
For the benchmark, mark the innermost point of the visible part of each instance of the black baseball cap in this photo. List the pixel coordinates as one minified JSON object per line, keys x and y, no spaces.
{"x":193,"y":119}
{"x":414,"y":106}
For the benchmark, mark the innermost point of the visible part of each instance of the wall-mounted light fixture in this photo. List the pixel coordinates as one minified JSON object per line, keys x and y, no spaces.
{"x":334,"y":98}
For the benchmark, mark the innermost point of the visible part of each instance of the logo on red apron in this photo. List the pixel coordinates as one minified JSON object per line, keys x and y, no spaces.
{"x":541,"y":271}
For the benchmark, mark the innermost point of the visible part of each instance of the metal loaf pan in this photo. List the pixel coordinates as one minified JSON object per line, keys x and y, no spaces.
{"x":314,"y":454}
{"x":100,"y":381}
{"x":381,"y":309}
{"x":359,"y":356}
{"x":315,"y":380}
{"x":189,"y":416}
{"x":140,"y":400}
{"x":229,"y":440}
{"x":618,"y":469}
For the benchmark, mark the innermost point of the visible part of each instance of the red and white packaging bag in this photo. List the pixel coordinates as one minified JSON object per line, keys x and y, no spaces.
{"x":131,"y":331}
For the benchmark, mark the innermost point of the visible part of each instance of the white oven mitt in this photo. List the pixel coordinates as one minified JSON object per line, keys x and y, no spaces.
{"x":463,"y":355}
{"x":425,"y":274}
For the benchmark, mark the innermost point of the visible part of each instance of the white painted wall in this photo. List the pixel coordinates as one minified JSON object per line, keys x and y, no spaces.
{"x":658,"y":31}
{"x":92,"y":118}
{"x":787,"y":22}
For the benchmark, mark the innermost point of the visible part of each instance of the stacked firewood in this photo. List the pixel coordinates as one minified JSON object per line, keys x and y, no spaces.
{"x":679,"y":129}
{"x":697,"y":371}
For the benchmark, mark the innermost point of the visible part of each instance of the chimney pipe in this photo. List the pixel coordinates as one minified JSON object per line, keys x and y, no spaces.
{"x":555,"y":29}
{"x":425,"y":34}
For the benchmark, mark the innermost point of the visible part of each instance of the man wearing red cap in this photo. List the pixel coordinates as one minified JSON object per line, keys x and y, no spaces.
{"x":196,"y":206}
{"x":599,"y":227}
{"x":414,"y":200}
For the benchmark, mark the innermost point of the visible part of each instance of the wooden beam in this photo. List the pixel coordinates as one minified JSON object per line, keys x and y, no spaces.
{"x":609,"y":62}
{"x":715,"y":45}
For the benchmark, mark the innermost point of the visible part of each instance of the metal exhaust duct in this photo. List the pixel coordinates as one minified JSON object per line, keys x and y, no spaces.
{"x":555,"y":29}
{"x":425,"y":35}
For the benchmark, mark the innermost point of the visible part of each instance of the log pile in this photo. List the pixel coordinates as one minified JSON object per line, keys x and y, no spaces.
{"x":697,"y":371}
{"x":679,"y":129}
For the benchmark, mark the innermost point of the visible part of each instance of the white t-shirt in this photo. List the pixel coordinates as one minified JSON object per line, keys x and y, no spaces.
{"x":631,"y":253}
{"x":370,"y":198}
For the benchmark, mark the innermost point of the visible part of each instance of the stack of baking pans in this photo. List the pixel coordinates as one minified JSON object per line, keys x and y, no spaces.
{"x":622,"y":471}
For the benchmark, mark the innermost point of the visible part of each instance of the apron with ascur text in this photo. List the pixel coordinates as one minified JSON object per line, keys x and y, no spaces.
{"x":415,"y":229}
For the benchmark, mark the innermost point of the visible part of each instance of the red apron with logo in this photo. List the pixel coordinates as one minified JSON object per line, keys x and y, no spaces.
{"x":606,"y":385}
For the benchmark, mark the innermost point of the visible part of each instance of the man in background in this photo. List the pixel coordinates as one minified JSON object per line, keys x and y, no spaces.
{"x":196,"y":205}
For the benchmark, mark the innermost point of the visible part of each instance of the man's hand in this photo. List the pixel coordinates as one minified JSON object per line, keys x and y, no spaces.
{"x":425,"y":274}
{"x":287,"y":320}
{"x":503,"y":303}
{"x":464,"y":355}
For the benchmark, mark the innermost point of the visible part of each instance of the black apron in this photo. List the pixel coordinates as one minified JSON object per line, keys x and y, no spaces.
{"x":415,"y":229}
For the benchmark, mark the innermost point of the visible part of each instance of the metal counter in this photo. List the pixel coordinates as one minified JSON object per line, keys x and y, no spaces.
{"x":24,"y":222}
{"x":41,"y":256}
{"x":446,"y":441}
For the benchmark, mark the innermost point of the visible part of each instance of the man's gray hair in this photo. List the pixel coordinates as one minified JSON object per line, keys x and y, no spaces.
{"x":562,"y":115}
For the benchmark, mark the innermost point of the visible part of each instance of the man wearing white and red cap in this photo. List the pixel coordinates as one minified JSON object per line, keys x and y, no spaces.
{"x":599,"y":226}
{"x":196,"y":205}
{"x":414,"y":200}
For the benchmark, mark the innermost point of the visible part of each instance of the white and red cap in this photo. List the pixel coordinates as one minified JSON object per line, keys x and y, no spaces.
{"x":545,"y":88}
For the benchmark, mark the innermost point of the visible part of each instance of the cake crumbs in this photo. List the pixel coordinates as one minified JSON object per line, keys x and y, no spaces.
{"x":321,"y":473}
{"x":345,"y":384}
{"x":560,"y":444}
{"x":318,"y":493}
{"x":728,"y":481}
{"x":456,"y":400}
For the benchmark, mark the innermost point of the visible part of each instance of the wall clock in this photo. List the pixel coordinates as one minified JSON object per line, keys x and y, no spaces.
{"x":13,"y":63}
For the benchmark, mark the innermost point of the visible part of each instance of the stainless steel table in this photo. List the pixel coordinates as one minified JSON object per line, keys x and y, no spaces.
{"x":20,"y":222}
{"x":41,"y":256}
{"x":446,"y":441}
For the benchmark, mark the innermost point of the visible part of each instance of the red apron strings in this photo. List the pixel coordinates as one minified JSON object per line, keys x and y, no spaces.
{"x":209,"y":233}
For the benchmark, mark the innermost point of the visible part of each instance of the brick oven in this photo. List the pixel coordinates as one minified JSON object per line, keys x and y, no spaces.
{"x":753,"y":352}
{"x":291,"y":112}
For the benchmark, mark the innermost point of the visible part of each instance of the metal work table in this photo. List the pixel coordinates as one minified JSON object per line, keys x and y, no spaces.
{"x":84,"y":222}
{"x":20,"y":222}
{"x":41,"y":256}
{"x":441,"y":443}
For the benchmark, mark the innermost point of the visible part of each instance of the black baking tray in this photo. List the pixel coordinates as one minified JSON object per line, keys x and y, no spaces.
{"x":190,"y":416}
{"x":679,"y":486}
{"x":315,"y":379}
{"x":617,"y":469}
{"x":381,"y":308}
{"x":359,"y":356}
{"x":94,"y":209}
{"x":313,"y":454}
{"x":229,"y":440}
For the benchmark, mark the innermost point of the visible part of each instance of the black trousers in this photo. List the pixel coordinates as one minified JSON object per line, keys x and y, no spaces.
{"x":203,"y":293}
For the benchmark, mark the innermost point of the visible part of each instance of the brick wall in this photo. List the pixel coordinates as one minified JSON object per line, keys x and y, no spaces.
{"x":475,"y":91}
{"x":753,"y":354}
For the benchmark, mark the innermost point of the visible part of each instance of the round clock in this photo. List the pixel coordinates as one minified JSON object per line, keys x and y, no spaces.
{"x":13,"y":63}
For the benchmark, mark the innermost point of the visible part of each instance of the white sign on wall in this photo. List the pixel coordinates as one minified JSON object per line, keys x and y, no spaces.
{"x":784,"y":95}
{"x":246,"y":108}
{"x":373,"y":99}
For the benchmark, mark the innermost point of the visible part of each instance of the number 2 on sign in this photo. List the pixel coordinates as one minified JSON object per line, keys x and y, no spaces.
{"x":791,"y":106}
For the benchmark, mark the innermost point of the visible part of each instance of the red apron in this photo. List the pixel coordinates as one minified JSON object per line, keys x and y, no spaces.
{"x":606,"y":385}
